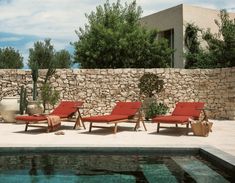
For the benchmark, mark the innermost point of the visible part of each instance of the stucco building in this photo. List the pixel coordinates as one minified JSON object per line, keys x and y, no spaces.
{"x":171,"y":24}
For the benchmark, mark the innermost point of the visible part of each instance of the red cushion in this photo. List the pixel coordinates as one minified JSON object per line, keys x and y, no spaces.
{"x":66,"y":108}
{"x":188,"y":109}
{"x":171,"y":119}
{"x":104,"y":118}
{"x":126,"y":108}
{"x":31,"y":118}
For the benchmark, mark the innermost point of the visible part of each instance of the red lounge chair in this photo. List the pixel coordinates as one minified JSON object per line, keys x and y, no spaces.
{"x":65,"y":110}
{"x":183,"y":112}
{"x":122,"y":112}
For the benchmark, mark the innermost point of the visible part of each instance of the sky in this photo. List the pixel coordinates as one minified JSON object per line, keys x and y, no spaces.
{"x":24,"y":22}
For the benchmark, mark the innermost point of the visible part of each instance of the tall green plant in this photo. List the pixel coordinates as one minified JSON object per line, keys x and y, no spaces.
{"x":222,"y":44}
{"x":192,"y":44}
{"x":10,"y":58}
{"x":149,"y":84}
{"x":63,"y":59}
{"x":49,"y":95}
{"x":114,"y":38}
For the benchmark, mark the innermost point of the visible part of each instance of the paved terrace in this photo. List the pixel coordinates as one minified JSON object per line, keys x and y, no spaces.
{"x":222,"y":137}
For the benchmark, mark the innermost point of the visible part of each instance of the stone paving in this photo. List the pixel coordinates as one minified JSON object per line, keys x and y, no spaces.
{"x":222,"y":137}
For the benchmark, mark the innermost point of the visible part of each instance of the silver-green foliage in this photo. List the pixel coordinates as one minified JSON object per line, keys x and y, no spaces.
{"x":10,"y":58}
{"x":49,"y":95}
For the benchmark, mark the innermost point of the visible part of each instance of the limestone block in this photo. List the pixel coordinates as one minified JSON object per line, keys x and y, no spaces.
{"x":63,"y":76}
{"x":65,"y":81}
{"x":118,"y":71}
{"x":184,"y":72}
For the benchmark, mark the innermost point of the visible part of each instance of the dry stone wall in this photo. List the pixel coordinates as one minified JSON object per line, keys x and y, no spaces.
{"x":101,"y":88}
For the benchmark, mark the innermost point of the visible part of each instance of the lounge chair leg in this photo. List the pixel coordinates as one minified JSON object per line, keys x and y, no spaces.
{"x":26,"y":127}
{"x":144,"y":125}
{"x":83,"y":125}
{"x":90,"y":127}
{"x":79,"y":122}
{"x":75,"y":125}
{"x":158,"y":126}
{"x":140,"y":119}
{"x":136,"y":126}
{"x":115,"y":128}
{"x":187,"y":126}
{"x":176,"y":125}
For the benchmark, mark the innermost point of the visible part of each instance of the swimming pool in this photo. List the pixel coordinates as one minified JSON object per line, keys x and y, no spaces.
{"x":117,"y":165}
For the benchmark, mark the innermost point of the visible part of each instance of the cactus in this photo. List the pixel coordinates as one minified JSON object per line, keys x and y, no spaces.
{"x":23,"y":100}
{"x":35,"y":79}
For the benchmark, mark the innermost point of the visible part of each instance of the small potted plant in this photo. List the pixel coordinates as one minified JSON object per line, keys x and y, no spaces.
{"x":149,"y":84}
{"x":155,"y":109}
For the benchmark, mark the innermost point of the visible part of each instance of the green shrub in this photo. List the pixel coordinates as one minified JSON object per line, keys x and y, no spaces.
{"x":49,"y":95}
{"x":155,"y":109}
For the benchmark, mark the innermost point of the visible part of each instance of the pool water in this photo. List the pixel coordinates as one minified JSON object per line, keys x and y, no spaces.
{"x":65,"y":168}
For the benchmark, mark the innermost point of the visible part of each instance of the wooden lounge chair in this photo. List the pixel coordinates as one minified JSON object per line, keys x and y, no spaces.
{"x":183,"y":112}
{"x":122,"y":112}
{"x":65,"y":110}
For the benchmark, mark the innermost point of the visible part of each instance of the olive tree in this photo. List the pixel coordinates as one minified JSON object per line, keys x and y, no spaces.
{"x":10,"y":59}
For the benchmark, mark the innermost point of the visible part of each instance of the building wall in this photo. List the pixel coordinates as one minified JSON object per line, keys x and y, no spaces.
{"x":176,"y":18}
{"x":204,"y":18}
{"x":171,"y":18}
{"x":101,"y":88}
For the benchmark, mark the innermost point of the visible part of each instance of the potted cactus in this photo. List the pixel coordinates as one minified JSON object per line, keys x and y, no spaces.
{"x":34,"y":106}
{"x":23,"y":100}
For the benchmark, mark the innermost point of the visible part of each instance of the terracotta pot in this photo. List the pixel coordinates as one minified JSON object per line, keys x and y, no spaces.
{"x":35,"y":107}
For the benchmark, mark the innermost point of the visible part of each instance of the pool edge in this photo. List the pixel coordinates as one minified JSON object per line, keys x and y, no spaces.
{"x":218,"y":157}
